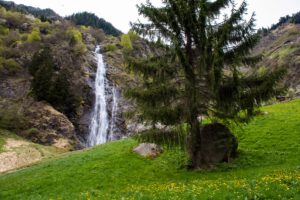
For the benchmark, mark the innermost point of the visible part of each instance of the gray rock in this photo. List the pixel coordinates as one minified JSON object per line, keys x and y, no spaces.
{"x":217,"y":145}
{"x":148,"y":150}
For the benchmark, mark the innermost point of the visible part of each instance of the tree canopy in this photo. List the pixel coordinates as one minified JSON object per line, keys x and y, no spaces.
{"x":51,"y":85}
{"x":90,"y":19}
{"x":197,"y":70}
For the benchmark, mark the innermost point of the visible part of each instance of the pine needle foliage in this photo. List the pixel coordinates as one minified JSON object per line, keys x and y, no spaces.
{"x":52,"y":85}
{"x":197,"y":69}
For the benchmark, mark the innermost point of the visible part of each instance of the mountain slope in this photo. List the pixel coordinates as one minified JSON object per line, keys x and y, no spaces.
{"x":70,"y":70}
{"x":37,"y":12}
{"x":268,"y":168}
{"x":281,"y":48}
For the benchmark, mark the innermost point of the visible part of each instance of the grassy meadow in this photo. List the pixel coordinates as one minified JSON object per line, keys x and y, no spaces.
{"x":268,"y":167}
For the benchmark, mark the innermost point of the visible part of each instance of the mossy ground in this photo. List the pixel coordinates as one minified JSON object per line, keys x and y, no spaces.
{"x":268,"y":167}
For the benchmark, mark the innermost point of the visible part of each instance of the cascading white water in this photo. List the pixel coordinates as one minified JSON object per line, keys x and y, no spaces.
{"x":104,"y":120}
{"x":113,"y":112}
{"x":100,"y":120}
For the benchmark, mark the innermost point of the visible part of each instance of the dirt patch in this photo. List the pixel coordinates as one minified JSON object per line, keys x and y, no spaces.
{"x":18,"y":153}
{"x":13,"y":143}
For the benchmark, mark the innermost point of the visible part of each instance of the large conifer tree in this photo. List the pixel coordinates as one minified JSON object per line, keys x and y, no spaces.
{"x":196,"y":71}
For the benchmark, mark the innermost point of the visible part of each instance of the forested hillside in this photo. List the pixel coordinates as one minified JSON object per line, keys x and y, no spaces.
{"x":37,"y":12}
{"x":90,"y":19}
{"x":294,"y":19}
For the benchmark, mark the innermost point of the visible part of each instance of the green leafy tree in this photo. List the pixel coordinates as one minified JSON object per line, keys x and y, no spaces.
{"x":196,"y":70}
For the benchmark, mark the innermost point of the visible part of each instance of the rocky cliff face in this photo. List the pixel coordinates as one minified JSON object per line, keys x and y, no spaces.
{"x":116,"y":72}
{"x":24,"y":35}
{"x":37,"y":121}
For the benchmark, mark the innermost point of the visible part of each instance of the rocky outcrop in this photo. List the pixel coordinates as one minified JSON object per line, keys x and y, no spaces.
{"x":37,"y":121}
{"x":217,"y":145}
{"x":148,"y":150}
{"x":48,"y":126}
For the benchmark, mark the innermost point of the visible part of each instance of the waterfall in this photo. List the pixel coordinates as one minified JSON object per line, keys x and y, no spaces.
{"x":102,"y":124}
{"x":114,"y":109}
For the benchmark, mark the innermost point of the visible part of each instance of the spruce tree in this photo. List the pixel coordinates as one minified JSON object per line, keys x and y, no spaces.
{"x":196,"y":70}
{"x":42,"y":70}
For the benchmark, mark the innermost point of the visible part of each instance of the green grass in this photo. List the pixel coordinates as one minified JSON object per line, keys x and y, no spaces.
{"x":268,"y":168}
{"x":2,"y":142}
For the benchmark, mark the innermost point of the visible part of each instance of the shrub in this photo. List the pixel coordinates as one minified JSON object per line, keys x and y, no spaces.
{"x":98,"y":34}
{"x":2,"y":12}
{"x":84,"y":28}
{"x":126,"y":42}
{"x":133,"y":36}
{"x":110,"y":47}
{"x":9,"y":66}
{"x":4,"y":30}
{"x":75,"y":36}
{"x":76,"y":41}
{"x":11,"y":118}
{"x":11,"y":38}
{"x":15,"y":19}
{"x":34,"y":36}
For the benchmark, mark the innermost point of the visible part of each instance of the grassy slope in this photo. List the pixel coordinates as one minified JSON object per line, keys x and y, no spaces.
{"x":268,"y":168}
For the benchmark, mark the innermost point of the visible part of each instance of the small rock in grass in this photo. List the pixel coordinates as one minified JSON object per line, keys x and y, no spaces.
{"x":148,"y":150}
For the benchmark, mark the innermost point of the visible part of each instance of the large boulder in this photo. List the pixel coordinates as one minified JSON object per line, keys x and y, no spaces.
{"x":148,"y":150}
{"x":217,"y":145}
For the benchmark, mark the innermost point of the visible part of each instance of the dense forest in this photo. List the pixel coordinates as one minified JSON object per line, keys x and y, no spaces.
{"x":295,"y":19}
{"x":90,"y":19}
{"x":37,"y":12}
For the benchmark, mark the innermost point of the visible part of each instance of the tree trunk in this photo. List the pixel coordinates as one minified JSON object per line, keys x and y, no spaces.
{"x":194,"y":145}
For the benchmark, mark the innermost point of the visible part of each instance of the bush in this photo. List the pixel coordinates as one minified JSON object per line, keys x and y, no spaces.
{"x":12,"y":38}
{"x":133,"y":36}
{"x":126,"y":42}
{"x":9,"y":66}
{"x":14,"y":19}
{"x":110,"y":47}
{"x":34,"y":36}
{"x":2,"y":12}
{"x":11,"y":118}
{"x":98,"y":34}
{"x":75,"y":36}
{"x":76,"y":41}
{"x":4,"y":30}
